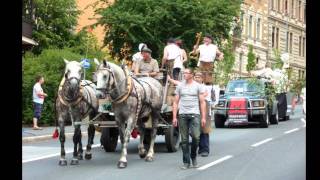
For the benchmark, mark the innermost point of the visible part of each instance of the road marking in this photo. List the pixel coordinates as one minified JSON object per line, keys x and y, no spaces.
{"x":304,"y":121}
{"x":214,"y":162}
{"x":55,"y":154}
{"x":261,"y":142}
{"x":292,"y":130}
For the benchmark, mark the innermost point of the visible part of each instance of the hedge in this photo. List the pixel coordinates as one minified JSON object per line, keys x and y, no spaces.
{"x":50,"y":64}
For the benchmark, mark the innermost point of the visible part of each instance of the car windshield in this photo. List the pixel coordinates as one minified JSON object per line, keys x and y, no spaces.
{"x":241,"y":86}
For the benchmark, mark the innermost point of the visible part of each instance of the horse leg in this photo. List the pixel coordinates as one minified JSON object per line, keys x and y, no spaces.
{"x":62,"y":138}
{"x":155,"y":118}
{"x":76,"y":135}
{"x":122,"y":163}
{"x":142,"y":150}
{"x":80,"y":150}
{"x":91,"y":131}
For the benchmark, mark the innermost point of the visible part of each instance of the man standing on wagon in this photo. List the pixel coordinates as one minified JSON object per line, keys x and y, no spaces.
{"x":208,"y":53}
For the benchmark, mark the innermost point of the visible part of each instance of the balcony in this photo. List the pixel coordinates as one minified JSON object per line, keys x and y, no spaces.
{"x":26,"y":28}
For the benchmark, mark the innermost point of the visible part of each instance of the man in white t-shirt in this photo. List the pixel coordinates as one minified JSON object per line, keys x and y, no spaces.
{"x":171,"y":53}
{"x":38,"y":99}
{"x":137,"y":56}
{"x":208,"y":53}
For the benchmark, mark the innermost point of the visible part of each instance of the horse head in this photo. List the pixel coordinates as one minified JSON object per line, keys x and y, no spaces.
{"x":104,"y":77}
{"x":73,"y":75}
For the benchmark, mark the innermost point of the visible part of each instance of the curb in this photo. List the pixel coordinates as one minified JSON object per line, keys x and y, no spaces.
{"x":47,"y":137}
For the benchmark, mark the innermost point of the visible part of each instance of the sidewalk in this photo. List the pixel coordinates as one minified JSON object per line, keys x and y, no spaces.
{"x":30,"y":135}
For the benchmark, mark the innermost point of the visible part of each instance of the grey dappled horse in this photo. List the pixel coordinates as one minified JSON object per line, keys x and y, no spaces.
{"x":133,"y":101}
{"x":76,"y":100}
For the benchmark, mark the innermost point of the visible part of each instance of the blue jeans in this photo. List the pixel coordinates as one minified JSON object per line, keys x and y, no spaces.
{"x":189,"y":122}
{"x":204,"y":143}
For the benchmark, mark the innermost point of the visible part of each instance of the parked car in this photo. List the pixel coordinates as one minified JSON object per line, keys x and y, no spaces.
{"x":246,"y":101}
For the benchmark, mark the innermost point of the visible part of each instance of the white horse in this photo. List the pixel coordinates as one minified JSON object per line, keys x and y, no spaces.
{"x":133,"y":100}
{"x":76,"y":100}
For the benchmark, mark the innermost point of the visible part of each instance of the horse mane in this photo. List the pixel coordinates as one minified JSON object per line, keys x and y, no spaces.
{"x":118,"y":71}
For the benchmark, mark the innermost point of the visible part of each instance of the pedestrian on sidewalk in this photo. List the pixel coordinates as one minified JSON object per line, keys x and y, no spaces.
{"x":38,"y":99}
{"x":189,"y":94}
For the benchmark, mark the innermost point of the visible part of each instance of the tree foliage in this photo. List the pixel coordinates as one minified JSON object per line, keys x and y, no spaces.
{"x":251,"y":59}
{"x":50,"y":64}
{"x":54,"y":23}
{"x":223,"y":68}
{"x":278,"y":62}
{"x":153,"y":22}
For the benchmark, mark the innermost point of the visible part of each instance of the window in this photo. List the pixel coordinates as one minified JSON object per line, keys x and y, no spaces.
{"x":273,"y":35}
{"x":300,"y":45}
{"x":277,"y":38}
{"x":292,"y":8}
{"x":257,"y":60}
{"x":279,"y":3}
{"x":304,"y":14}
{"x":258,"y":29}
{"x":287,"y":42}
{"x":286,"y":6}
{"x":299,"y":10}
{"x":291,"y":42}
{"x":250,"y":26}
{"x":272,"y":5}
{"x":303,"y":46}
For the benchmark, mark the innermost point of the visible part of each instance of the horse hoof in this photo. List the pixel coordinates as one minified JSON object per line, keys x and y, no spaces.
{"x":63,"y":162}
{"x":142,"y":155}
{"x":122,"y":165}
{"x":80,"y":157}
{"x":88,"y":156}
{"x":74,"y":162}
{"x":149,"y":159}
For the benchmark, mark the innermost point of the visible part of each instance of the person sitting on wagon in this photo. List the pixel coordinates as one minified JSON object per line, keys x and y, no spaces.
{"x":147,"y":66}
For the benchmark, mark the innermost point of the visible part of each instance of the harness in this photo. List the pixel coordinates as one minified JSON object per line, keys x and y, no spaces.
{"x":68,"y":102}
{"x":71,"y":103}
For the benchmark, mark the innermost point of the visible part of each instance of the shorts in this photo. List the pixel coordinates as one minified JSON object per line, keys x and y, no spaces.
{"x":37,"y":110}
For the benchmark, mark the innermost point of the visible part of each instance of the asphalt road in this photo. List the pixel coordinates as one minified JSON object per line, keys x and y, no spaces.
{"x":249,"y":153}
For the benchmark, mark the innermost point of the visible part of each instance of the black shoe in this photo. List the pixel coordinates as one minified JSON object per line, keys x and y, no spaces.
{"x":185,"y":166}
{"x":194,"y":163}
{"x":204,"y":154}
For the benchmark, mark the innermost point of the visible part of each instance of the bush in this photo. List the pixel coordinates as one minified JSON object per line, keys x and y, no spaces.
{"x":50,"y":64}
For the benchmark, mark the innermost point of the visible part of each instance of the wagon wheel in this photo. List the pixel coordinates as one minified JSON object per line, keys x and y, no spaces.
{"x":109,"y":139}
{"x":172,"y":138}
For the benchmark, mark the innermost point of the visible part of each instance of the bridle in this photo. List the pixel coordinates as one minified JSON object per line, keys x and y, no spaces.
{"x":61,"y":93}
{"x":107,"y":89}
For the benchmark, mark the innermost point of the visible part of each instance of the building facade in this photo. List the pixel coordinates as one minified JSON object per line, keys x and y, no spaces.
{"x":272,"y":25}
{"x":254,"y":31}
{"x":287,"y":33}
{"x":88,"y":17}
{"x":27,"y":25}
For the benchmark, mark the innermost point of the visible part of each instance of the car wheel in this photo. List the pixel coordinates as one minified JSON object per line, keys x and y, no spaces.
{"x":219,"y":121}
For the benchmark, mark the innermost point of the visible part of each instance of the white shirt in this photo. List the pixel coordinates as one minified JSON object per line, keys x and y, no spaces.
{"x":174,"y":51}
{"x":207,"y":52}
{"x":36,"y":89}
{"x":178,"y":62}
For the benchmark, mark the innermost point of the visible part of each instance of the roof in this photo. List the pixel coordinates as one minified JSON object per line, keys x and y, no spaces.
{"x":26,"y":40}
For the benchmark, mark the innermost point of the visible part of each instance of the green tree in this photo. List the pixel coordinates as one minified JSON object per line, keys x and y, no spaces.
{"x":50,"y":64}
{"x":224,"y":67}
{"x":251,"y":59}
{"x":278,"y":62}
{"x":55,"y":21}
{"x":153,"y":22}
